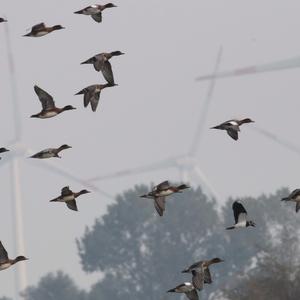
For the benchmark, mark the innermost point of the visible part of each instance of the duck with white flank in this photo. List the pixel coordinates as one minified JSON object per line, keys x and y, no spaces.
{"x":240,"y":216}
{"x":160,"y":192}
{"x":294,"y":197}
{"x":2,"y":20}
{"x":187,"y":288}
{"x":92,"y":94}
{"x":48,"y":106}
{"x":50,"y":152}
{"x":2,"y":150}
{"x":69,"y":197}
{"x":233,"y":127}
{"x":101,"y":63}
{"x":6,"y":262}
{"x":41,"y":29}
{"x":201,"y":273}
{"x":95,"y":11}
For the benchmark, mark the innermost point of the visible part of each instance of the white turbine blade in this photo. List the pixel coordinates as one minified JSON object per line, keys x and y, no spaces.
{"x":205,"y":108}
{"x":286,"y":144}
{"x":58,"y":170}
{"x":13,"y":85}
{"x":207,"y":187}
{"x":268,"y":67}
{"x":168,"y":163}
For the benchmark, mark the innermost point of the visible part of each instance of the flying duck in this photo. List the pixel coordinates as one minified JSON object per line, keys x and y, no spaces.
{"x":48,"y":106}
{"x":201,"y":273}
{"x":240,"y":216}
{"x":41,"y":29}
{"x":2,"y":20}
{"x":160,"y":192}
{"x":69,"y":197}
{"x":2,"y":150}
{"x":92,"y":94}
{"x":101,"y":63}
{"x":294,"y":197}
{"x":187,"y":288}
{"x":233,"y":127}
{"x":5,"y":262}
{"x":50,"y":152}
{"x":95,"y":11}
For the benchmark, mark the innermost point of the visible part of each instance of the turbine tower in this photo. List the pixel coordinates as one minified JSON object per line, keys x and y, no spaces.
{"x":187,"y":164}
{"x":20,"y":151}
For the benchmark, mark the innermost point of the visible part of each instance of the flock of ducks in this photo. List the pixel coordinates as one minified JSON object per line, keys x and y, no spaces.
{"x":200,"y":270}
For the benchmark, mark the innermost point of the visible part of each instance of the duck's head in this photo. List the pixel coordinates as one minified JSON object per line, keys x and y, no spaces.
{"x":20,"y":258}
{"x":216,"y":260}
{"x":58,"y":27}
{"x":84,"y":192}
{"x":65,"y":146}
{"x":69,"y":107}
{"x":247,"y":120}
{"x":109,"y":5}
{"x":117,"y":53}
{"x":251,"y":223}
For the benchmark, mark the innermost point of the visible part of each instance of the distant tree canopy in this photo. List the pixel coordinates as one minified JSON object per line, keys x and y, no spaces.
{"x":141,"y":255}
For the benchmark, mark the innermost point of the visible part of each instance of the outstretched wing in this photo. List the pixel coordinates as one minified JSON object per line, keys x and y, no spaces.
{"x":297,"y":206}
{"x":107,"y":72}
{"x":198,"y":279}
{"x":97,"y":17}
{"x":159,"y":204}
{"x":294,"y":193}
{"x":65,"y":191}
{"x":192,"y":295}
{"x":46,"y":99}
{"x":38,"y":27}
{"x":163,"y":186}
{"x":233,"y":133}
{"x":240,"y":213}
{"x":3,"y":254}
{"x":94,"y":99}
{"x":207,"y":276}
{"x":72,"y":205}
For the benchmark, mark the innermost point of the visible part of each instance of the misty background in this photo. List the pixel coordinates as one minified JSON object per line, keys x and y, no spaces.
{"x":151,"y":115}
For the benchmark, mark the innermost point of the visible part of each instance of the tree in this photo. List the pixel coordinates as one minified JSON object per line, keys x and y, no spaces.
{"x":142,"y":254}
{"x":53,"y":287}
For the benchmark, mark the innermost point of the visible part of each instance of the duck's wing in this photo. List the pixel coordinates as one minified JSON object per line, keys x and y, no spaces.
{"x":107,"y":72}
{"x":233,"y":133}
{"x":294,"y":194}
{"x":97,"y":17}
{"x":3,"y":254}
{"x":198,"y":279}
{"x":38,"y":27}
{"x":72,"y":205}
{"x":45,"y":99}
{"x":207,"y":276}
{"x":192,"y":295}
{"x":159,"y":204}
{"x":239,"y":212}
{"x":94,"y":99}
{"x":65,"y":191}
{"x":297,"y":206}
{"x":163,"y":186}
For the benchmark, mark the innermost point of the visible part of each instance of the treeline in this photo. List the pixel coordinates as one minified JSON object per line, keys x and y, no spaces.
{"x":141,"y":254}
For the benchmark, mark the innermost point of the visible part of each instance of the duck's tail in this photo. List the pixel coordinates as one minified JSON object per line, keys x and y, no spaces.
{"x":229,"y":228}
{"x":285,"y":199}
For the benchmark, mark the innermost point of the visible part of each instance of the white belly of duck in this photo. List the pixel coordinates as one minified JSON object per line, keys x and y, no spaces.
{"x":4,"y":266}
{"x":166,"y":193}
{"x":68,"y":198}
{"x":48,"y":114}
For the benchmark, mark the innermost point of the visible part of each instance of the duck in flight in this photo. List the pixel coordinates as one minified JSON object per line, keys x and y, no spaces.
{"x":240,"y":217}
{"x":2,"y":20}
{"x":233,"y":127}
{"x":41,"y":29}
{"x":92,"y":94}
{"x":160,"y":192}
{"x":50,"y":152}
{"x":201,"y":273}
{"x":69,"y":197}
{"x":95,"y":11}
{"x":3,"y":150}
{"x":6,"y":262}
{"x":49,"y":109}
{"x":294,"y":197}
{"x":187,"y":288}
{"x":101,"y":63}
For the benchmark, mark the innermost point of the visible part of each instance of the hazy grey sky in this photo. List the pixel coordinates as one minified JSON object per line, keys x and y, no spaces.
{"x":151,"y":115}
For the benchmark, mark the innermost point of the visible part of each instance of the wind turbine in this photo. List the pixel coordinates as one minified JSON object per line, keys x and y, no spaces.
{"x":187,"y":164}
{"x":285,"y":64}
{"x":20,"y":150}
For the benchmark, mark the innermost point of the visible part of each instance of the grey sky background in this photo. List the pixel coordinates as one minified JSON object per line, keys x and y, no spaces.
{"x":151,"y":115}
